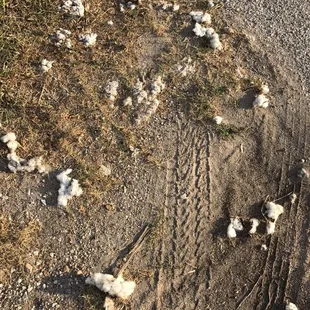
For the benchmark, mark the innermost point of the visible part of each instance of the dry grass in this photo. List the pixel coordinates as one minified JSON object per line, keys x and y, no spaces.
{"x":16,"y":241}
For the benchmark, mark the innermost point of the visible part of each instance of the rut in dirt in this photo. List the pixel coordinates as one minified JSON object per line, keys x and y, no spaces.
{"x":185,"y":266}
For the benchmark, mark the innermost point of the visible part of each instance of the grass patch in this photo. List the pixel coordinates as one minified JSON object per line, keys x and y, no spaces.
{"x":16,"y":241}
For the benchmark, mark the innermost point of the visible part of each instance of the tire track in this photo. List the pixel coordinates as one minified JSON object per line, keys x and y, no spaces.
{"x":183,"y":283}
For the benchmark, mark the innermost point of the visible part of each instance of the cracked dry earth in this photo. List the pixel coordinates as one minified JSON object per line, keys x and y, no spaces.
{"x":200,"y":182}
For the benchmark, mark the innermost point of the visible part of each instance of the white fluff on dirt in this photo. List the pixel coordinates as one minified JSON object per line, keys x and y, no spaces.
{"x":127,"y":102}
{"x":113,"y":286}
{"x":46,"y":65}
{"x":126,"y":5}
{"x":61,"y":38}
{"x":68,"y":188}
{"x":186,"y":67}
{"x":273,"y":211}
{"x":234,"y":226}
{"x":88,"y":39}
{"x":254,"y":225}
{"x":16,"y":163}
{"x":218,"y":119}
{"x":73,"y":7}
{"x":111,"y":90}
{"x":201,"y":17}
{"x":261,"y":101}
{"x":291,"y":306}
{"x":231,"y":232}
{"x":208,"y":32}
{"x":147,"y":102}
{"x":170,"y":6}
{"x":264,"y":89}
{"x":293,"y":198}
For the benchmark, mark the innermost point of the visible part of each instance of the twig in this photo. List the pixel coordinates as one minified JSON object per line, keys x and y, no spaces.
{"x":283,"y":196}
{"x":251,"y":291}
{"x":266,"y":199}
{"x":135,"y":249}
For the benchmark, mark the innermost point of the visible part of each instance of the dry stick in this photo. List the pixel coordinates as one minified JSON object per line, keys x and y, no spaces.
{"x":135,"y":249}
{"x":251,"y":291}
{"x":283,"y":196}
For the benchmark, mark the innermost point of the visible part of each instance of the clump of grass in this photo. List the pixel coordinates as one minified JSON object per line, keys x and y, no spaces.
{"x":16,"y":241}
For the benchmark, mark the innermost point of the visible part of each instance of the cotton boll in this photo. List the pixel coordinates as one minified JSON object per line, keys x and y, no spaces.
{"x":131,"y":6}
{"x":264,"y":89}
{"x":231,"y":232}
{"x":254,"y":225}
{"x":199,"y":30}
{"x":175,"y":7}
{"x":12,"y":145}
{"x":237,"y":224}
{"x":293,"y":198}
{"x":273,"y":211}
{"x":88,"y":39}
{"x":11,"y":136}
{"x":291,"y":306}
{"x":157,"y":86}
{"x":46,"y":65}
{"x":113,"y":286}
{"x":63,"y":177}
{"x":68,"y":188}
{"x":209,"y":32}
{"x":261,"y":101}
{"x":218,"y":119}
{"x":73,"y":7}
{"x":264,"y":247}
{"x":111,"y":90}
{"x":303,"y":173}
{"x":128,"y":288}
{"x":271,"y":226}
{"x":61,"y":38}
{"x":210,"y":4}
{"x":127,"y":102}
{"x":201,"y":17}
{"x":215,"y":42}
{"x":142,"y":96}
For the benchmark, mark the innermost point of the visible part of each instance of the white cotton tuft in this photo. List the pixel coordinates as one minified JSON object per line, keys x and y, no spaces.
{"x":61,"y":38}
{"x":218,"y":119}
{"x":261,"y":101}
{"x":111,"y":90}
{"x":158,"y":86}
{"x":271,"y":227}
{"x":273,"y":211}
{"x":303,"y":173}
{"x":215,"y":42}
{"x":201,"y":17}
{"x":210,"y":4}
{"x":199,"y":30}
{"x":73,"y":7}
{"x":16,"y":163}
{"x":113,"y":286}
{"x":12,"y":145}
{"x":46,"y":65}
{"x":291,"y":306}
{"x":68,"y":188}
{"x":187,"y":67}
{"x":88,"y":39}
{"x":231,"y":232}
{"x":254,"y":225}
{"x":264,"y":247}
{"x":293,"y":198}
{"x":127,"y":102}
{"x":237,"y":224}
{"x":9,"y":137}
{"x":264,"y":89}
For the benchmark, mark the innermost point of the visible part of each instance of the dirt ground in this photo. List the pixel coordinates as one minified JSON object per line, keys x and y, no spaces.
{"x":186,"y":178}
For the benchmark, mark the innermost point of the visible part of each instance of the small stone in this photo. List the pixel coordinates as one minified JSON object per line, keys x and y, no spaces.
{"x":36,"y":253}
{"x":79,"y":272}
{"x":106,"y":171}
{"x":29,"y":268}
{"x":66,"y":269}
{"x":264,"y":247}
